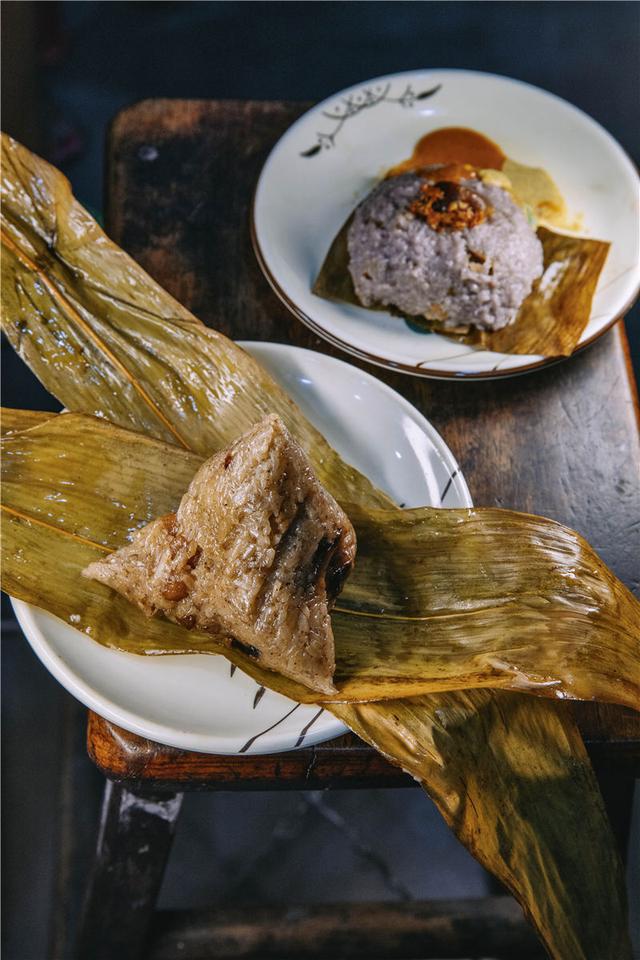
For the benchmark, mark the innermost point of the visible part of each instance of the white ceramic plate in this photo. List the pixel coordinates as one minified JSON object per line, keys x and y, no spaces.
{"x":333,"y":155}
{"x":197,"y":702}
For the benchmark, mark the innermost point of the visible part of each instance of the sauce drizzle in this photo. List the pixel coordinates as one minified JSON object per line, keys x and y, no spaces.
{"x":452,"y":145}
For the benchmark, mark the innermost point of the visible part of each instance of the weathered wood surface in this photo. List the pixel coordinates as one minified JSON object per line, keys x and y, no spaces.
{"x":562,"y":442}
{"x":344,"y":762}
{"x":492,"y":927}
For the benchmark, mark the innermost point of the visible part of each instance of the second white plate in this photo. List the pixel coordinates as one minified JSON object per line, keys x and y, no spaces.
{"x":198,"y":702}
{"x":330,"y":159}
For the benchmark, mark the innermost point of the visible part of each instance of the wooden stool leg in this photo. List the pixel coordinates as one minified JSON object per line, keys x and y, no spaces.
{"x":134,"y":840}
{"x":617,"y":789}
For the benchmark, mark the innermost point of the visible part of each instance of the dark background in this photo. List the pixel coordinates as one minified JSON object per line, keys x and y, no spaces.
{"x":67,"y":68}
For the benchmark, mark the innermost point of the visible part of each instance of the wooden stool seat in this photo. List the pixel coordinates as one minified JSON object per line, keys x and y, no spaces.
{"x":612,"y":737}
{"x":145,"y":786}
{"x":562,"y":442}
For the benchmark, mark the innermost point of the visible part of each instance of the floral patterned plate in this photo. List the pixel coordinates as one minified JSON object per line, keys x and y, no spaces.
{"x":333,"y":155}
{"x":201,"y":702}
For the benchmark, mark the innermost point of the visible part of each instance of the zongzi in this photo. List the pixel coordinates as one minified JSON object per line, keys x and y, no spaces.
{"x":445,"y":246}
{"x":457,"y":240}
{"x":256,"y":552}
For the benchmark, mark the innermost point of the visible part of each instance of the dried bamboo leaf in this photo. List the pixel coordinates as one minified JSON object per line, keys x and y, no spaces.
{"x":549,"y":323}
{"x":334,"y":280}
{"x":510,"y":777}
{"x":448,"y":599}
{"x":232,"y":392}
{"x":438,"y":600}
{"x":491,"y":760}
{"x":105,"y":339}
{"x":14,"y":421}
{"x":75,"y":488}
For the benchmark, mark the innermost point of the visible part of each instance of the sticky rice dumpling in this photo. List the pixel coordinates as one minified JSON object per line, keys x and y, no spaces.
{"x":448,"y":247}
{"x":257,"y":551}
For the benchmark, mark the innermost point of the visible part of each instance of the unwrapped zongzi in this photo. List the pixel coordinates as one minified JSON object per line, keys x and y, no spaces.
{"x":257,"y":551}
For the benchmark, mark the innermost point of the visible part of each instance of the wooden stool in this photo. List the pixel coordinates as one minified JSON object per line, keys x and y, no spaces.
{"x":145,"y":786}
{"x":562,"y":442}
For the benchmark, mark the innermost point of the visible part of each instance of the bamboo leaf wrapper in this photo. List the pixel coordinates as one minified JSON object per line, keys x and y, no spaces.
{"x":106,"y":340}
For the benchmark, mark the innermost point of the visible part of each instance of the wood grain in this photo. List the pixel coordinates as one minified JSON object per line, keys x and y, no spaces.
{"x":344,"y":762}
{"x":493,"y":926}
{"x":562,"y":442}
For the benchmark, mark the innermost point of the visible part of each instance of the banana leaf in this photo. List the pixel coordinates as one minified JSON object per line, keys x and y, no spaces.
{"x":549,"y":322}
{"x":439,"y":599}
{"x":74,"y":487}
{"x":105,"y":339}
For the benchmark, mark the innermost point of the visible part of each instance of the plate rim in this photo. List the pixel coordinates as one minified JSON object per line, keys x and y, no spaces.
{"x":280,"y":742}
{"x":425,"y":372}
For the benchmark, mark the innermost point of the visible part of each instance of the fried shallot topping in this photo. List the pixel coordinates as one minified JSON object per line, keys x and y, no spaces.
{"x":446,"y":205}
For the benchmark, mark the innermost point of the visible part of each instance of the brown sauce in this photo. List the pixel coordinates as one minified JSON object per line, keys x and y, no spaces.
{"x":453,"y":145}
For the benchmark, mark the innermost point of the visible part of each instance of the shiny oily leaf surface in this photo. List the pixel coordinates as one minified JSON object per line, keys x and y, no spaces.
{"x":438,"y":599}
{"x":491,"y":761}
{"x":441,"y":599}
{"x":74,"y":488}
{"x":93,"y":271}
{"x":509,"y":774}
{"x":550,"y":321}
{"x":14,"y":421}
{"x":106,"y":339}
